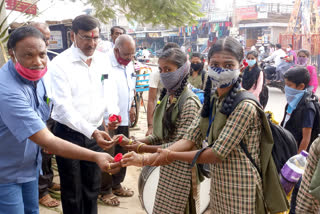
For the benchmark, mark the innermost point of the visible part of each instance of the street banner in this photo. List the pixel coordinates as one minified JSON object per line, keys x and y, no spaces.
{"x":247,"y":13}
{"x":22,"y":5}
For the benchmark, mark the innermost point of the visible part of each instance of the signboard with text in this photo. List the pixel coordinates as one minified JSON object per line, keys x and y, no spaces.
{"x":25,"y":6}
{"x":140,"y":35}
{"x":247,"y":13}
{"x":154,"y":35}
{"x":219,"y":17}
{"x":55,"y":41}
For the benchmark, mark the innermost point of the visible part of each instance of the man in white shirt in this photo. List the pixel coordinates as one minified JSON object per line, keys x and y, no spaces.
{"x":123,"y":74}
{"x":276,"y":56}
{"x":106,"y":46}
{"x":46,"y":178}
{"x":145,"y":53}
{"x":78,"y":80}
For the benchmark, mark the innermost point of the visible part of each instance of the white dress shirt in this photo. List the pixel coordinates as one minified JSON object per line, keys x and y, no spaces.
{"x":47,"y":79}
{"x":105,"y":46}
{"x":81,"y":95}
{"x":154,"y":81}
{"x":125,"y":79}
{"x":276,"y":56}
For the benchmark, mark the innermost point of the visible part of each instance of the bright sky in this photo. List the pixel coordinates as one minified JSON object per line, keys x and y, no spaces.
{"x":57,"y":10}
{"x":53,"y":10}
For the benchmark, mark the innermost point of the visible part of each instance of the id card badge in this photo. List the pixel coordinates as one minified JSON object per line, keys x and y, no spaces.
{"x":48,"y":101}
{"x":205,"y":143}
{"x":104,"y":77}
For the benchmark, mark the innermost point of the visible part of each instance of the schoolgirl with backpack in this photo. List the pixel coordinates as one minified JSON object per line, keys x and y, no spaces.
{"x":241,"y":181}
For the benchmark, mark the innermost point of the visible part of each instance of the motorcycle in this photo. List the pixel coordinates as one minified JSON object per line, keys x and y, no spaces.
{"x":271,"y":75}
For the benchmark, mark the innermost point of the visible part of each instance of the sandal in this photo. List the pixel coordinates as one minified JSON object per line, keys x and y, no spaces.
{"x":55,"y":187}
{"x":47,"y":201}
{"x":123,"y":192}
{"x":110,"y":200}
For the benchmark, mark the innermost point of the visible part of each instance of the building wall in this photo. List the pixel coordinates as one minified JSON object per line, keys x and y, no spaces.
{"x":275,"y":33}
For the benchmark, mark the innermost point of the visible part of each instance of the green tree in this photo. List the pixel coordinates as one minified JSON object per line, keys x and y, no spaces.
{"x":4,"y":26}
{"x":167,"y":12}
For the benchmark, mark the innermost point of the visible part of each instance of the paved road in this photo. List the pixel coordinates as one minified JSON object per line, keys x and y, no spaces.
{"x":276,"y":103}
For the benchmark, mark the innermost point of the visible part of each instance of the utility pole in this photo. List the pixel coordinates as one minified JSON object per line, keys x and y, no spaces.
{"x":235,"y":29}
{"x":234,"y":15}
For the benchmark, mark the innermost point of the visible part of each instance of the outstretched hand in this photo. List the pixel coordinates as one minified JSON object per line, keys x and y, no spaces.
{"x":126,"y":143}
{"x":121,"y":139}
{"x":107,"y":164}
{"x":103,"y":139}
{"x":132,"y":159}
{"x":113,"y":125}
{"x":161,"y":158}
{"x":156,"y":159}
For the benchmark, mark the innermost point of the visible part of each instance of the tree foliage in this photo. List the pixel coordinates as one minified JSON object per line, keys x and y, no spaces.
{"x":155,"y":12}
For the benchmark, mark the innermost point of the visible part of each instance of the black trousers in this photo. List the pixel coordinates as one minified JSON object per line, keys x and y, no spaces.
{"x":45,"y":180}
{"x":79,"y":180}
{"x":109,"y":182}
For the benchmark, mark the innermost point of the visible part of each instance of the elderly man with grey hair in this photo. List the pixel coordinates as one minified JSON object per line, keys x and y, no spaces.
{"x":123,"y":74}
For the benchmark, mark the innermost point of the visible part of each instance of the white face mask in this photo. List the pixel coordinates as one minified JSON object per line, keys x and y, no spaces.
{"x":223,"y":78}
{"x":82,"y":56}
{"x":288,"y":49}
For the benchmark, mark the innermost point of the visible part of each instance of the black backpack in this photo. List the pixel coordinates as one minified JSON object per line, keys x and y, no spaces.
{"x":285,"y":145}
{"x":316,"y":124}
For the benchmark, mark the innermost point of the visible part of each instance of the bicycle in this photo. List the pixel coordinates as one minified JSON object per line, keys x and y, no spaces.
{"x":142,"y":84}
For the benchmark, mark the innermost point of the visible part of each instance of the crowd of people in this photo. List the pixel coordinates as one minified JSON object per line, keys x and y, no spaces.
{"x":79,"y":106}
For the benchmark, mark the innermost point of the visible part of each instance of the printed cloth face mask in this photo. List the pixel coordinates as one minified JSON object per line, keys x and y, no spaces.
{"x":222,"y":77}
{"x":172,"y":80}
{"x":302,"y":61}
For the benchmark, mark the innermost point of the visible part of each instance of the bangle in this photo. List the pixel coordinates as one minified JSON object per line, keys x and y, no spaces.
{"x":167,"y":156}
{"x":150,"y":125}
{"x":130,"y":141}
{"x":140,"y":145}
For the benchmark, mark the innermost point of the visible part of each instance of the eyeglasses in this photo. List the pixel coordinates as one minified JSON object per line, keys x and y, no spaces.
{"x":88,"y":38}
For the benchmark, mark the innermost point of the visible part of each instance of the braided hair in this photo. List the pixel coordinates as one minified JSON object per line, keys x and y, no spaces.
{"x":233,"y":47}
{"x":227,"y":103}
{"x":206,"y":103}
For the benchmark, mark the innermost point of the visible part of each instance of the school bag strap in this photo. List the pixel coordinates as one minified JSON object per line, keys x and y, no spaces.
{"x":241,"y":96}
{"x":245,"y":150}
{"x":188,"y":95}
{"x":194,"y":161}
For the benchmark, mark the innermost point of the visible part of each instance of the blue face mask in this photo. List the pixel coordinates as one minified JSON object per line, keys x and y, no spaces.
{"x":251,"y":62}
{"x":293,"y":97}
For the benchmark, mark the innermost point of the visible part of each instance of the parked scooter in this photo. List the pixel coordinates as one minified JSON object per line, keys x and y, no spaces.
{"x":270,"y":73}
